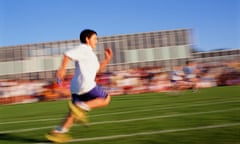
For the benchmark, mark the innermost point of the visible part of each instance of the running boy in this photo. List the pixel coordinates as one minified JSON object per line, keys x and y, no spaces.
{"x":86,"y":94}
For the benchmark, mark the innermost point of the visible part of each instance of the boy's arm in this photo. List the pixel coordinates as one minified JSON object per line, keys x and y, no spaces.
{"x":108,"y":57}
{"x":62,"y":70}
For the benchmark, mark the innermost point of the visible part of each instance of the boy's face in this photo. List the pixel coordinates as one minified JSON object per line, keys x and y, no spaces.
{"x":92,"y":41}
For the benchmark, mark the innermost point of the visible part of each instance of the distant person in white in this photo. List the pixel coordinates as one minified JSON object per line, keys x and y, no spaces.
{"x":190,"y":70}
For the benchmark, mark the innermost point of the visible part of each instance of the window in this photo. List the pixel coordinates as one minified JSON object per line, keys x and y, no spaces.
{"x":131,"y":56}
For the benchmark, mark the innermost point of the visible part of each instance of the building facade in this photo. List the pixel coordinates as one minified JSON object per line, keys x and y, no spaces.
{"x":150,"y":49}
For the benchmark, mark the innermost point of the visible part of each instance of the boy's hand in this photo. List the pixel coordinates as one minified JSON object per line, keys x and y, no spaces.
{"x":60,"y":74}
{"x":108,"y":54}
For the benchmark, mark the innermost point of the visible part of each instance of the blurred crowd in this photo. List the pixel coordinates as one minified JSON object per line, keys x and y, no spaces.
{"x":192,"y":75}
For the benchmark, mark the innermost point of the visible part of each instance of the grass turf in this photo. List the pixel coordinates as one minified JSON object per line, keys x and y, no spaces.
{"x":208,"y":116}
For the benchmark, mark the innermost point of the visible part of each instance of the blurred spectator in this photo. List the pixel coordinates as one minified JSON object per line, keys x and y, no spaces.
{"x":178,"y":79}
{"x":148,"y":79}
{"x":191,"y":73}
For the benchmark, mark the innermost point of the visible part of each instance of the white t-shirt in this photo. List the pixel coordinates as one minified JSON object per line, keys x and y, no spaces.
{"x":86,"y":68}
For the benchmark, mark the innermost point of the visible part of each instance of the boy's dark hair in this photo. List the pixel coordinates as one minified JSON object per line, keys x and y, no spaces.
{"x":87,"y":33}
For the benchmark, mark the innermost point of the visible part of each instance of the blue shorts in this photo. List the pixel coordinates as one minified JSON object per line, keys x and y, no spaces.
{"x":96,"y":92}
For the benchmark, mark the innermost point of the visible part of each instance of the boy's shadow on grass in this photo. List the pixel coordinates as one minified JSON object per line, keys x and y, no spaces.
{"x":21,"y":139}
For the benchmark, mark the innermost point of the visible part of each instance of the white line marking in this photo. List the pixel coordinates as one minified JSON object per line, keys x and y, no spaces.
{"x":25,"y":130}
{"x":124,"y":112}
{"x":126,"y":120}
{"x":152,"y":132}
{"x":163,"y":116}
{"x":155,"y":132}
{"x":164,"y":107}
{"x":27,"y":121}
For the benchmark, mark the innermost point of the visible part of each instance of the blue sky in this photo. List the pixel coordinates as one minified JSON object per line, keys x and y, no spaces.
{"x":215,"y":23}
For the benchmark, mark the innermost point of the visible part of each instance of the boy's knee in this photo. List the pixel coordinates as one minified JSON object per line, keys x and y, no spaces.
{"x":107,"y":100}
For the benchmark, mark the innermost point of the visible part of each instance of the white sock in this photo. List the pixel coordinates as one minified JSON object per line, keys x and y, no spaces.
{"x":83,"y":106}
{"x":60,"y":130}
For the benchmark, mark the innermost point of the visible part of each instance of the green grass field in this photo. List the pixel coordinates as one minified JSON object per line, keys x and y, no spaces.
{"x":210,"y":116}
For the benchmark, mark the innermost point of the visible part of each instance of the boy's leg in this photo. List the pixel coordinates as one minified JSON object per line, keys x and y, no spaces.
{"x":98,"y":102}
{"x":68,"y":122}
{"x":59,"y":135}
{"x":79,"y":109}
{"x":78,"y":113}
{"x":95,"y":98}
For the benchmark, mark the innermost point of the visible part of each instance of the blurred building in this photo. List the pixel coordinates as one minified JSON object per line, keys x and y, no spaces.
{"x":151,"y":49}
{"x":217,"y":55}
{"x":147,"y":49}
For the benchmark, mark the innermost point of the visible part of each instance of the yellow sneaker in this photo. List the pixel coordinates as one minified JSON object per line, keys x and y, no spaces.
{"x":79,"y":114}
{"x":58,"y":137}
